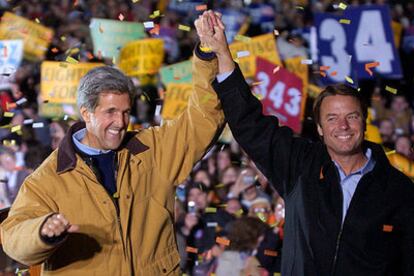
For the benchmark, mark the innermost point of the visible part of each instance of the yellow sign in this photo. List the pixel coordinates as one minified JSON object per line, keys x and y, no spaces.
{"x":176,"y":99}
{"x":36,"y":38}
{"x":142,"y":56}
{"x":59,"y":81}
{"x":295,"y":66}
{"x":259,"y":46}
{"x":397,"y":29}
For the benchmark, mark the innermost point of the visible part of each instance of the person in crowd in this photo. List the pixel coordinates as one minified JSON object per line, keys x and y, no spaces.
{"x":245,"y":235}
{"x":103,"y":201}
{"x":15,"y":175}
{"x":387,"y":132}
{"x":58,"y":130}
{"x":404,"y":146}
{"x":348,"y":211}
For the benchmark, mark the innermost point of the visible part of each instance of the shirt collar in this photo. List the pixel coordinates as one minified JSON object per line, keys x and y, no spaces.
{"x":368,"y":166}
{"x":77,"y":138}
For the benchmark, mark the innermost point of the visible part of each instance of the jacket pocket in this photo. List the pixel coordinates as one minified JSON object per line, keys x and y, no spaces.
{"x":168,"y":264}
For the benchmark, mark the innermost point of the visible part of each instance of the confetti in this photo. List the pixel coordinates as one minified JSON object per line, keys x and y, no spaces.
{"x":390,"y":89}
{"x":37,"y":20}
{"x":299,"y":7}
{"x":276,"y":32}
{"x":5,"y":51}
{"x":183,"y":28}
{"x":212,"y":224}
{"x":345,"y":21}
{"x":271,"y":253}
{"x":115,"y":195}
{"x":65,"y":117}
{"x":101,"y":30}
{"x":221,"y":185}
{"x":9,"y":143}
{"x":21,"y":101}
{"x":8,"y":114}
{"x":135,"y":1}
{"x":239,"y":212}
{"x":63,"y":38}
{"x":324,"y":68}
{"x":10,"y":106}
{"x":368,"y":67}
{"x":155,"y":30}
{"x":348,"y":79}
{"x":71,"y":60}
{"x":334,"y":73}
{"x":342,"y":6}
{"x":323,"y":74}
{"x":89,"y":55}
{"x":38,"y":125}
{"x":257,"y":83}
{"x":149,"y":24}
{"x":27,"y":121}
{"x":191,"y":249}
{"x":210,"y":210}
{"x":243,"y":54}
{"x":277,"y":68}
{"x":158,"y":110}
{"x":55,"y":50}
{"x":201,"y":7}
{"x":155,"y":14}
{"x":306,"y":61}
{"x":223,"y":241}
{"x":121,"y":17}
{"x":16,"y":128}
{"x":242,"y":38}
{"x":387,"y":228}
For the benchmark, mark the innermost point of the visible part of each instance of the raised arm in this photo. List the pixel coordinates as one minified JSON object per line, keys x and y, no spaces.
{"x":270,"y":146}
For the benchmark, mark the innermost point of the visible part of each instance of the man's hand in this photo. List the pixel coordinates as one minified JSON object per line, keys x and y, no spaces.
{"x":210,"y":30}
{"x":57,"y":225}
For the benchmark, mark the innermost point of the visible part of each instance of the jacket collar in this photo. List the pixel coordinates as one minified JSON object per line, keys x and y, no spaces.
{"x":66,"y":155}
{"x":381,"y":160}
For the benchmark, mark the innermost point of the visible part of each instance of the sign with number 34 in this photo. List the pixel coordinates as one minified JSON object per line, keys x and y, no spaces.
{"x":359,"y":36}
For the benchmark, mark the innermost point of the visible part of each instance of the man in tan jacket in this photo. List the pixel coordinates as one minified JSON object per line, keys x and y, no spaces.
{"x":102,"y":203}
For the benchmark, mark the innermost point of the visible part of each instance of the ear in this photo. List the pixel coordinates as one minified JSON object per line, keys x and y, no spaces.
{"x":85,"y":114}
{"x":320,"y":130}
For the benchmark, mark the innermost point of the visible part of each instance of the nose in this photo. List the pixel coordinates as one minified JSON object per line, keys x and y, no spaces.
{"x":343,"y":123}
{"x":120,"y":120}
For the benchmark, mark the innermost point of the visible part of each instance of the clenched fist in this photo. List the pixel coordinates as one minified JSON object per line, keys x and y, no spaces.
{"x":57,"y":225}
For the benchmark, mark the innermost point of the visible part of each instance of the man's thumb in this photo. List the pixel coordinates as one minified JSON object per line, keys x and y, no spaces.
{"x":73,"y":228}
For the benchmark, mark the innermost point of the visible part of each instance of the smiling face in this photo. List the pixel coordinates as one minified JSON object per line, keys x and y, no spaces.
{"x":107,"y":124}
{"x":341,"y":125}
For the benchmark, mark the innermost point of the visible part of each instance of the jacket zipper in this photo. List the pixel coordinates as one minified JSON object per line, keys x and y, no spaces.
{"x":338,"y":240}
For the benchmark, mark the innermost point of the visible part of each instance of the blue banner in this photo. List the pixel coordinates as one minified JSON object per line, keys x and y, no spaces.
{"x":360,"y":36}
{"x":233,"y":20}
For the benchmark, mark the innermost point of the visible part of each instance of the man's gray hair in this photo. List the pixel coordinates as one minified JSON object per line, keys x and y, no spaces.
{"x":99,"y":80}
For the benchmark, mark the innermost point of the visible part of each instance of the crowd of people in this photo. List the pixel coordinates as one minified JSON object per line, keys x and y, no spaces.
{"x":226,"y":196}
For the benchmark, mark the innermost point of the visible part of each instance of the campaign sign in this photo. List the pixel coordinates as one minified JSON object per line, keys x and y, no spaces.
{"x":360,"y":36}
{"x":280,"y":93}
{"x":11,"y":55}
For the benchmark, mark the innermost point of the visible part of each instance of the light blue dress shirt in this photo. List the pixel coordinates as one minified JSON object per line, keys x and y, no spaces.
{"x":77,"y":138}
{"x":350,"y":182}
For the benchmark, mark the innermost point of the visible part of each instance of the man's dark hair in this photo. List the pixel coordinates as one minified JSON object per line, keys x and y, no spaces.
{"x":338,"y":89}
{"x":244,"y":232}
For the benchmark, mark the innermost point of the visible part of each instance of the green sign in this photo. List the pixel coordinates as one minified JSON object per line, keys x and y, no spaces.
{"x":176,"y":73}
{"x":109,"y":36}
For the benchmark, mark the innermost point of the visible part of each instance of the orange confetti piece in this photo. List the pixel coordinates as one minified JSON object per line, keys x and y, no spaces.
{"x":11,"y":106}
{"x":323,"y":74}
{"x":55,"y":50}
{"x":387,"y":228}
{"x":271,"y":253}
{"x":155,"y":30}
{"x":334,"y":73}
{"x":201,"y":7}
{"x":191,"y":249}
{"x":121,"y":17}
{"x":324,"y":68}
{"x":368,"y":67}
{"x":89,"y":55}
{"x":257,"y":83}
{"x":223,"y":241}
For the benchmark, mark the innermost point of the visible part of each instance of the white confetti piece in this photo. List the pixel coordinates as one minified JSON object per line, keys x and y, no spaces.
{"x":38,"y":125}
{"x":149,"y":24}
{"x":21,"y":101}
{"x":27,"y":121}
{"x":243,"y":54}
{"x":306,"y":61}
